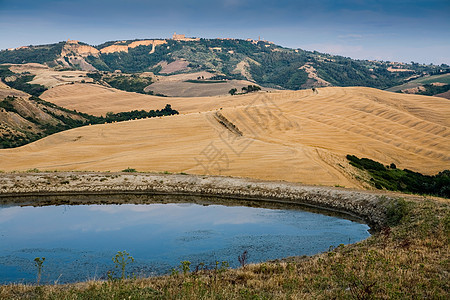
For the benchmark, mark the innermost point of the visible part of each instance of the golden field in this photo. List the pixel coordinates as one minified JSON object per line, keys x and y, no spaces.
{"x":278,"y":135}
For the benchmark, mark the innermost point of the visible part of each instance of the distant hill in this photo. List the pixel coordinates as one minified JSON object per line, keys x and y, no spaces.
{"x":436,"y":85}
{"x":261,"y":62}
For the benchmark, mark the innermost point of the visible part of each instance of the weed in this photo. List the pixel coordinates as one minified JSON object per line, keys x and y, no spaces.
{"x":221,"y":267}
{"x":243,"y":258}
{"x":38,"y":262}
{"x":121,"y":260}
{"x":185,"y":266}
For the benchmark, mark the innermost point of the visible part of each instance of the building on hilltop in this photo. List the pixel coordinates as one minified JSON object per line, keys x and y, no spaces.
{"x":182,"y":37}
{"x":178,"y":37}
{"x":258,"y":40}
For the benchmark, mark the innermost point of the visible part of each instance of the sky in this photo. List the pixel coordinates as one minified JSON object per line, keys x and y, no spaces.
{"x":389,"y":30}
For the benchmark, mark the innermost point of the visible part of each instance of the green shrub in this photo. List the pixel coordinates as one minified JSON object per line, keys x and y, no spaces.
{"x":396,"y":211}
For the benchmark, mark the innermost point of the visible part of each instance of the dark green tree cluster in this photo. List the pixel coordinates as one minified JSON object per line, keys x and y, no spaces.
{"x":391,"y":178}
{"x":233,"y":91}
{"x":136,"y":114}
{"x":133,"y":83}
{"x":21,"y":83}
{"x":8,"y":104}
{"x":250,"y":88}
{"x":96,"y":76}
{"x":32,"y":54}
{"x":245,"y":90}
{"x":431,"y":89}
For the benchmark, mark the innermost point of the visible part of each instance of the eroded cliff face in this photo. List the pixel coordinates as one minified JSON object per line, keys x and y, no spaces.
{"x":114,"y":48}
{"x":73,"y":54}
{"x":124,"y":48}
{"x":74,"y":48}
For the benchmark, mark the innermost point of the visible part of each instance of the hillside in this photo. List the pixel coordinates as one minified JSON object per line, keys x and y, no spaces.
{"x":295,"y":136}
{"x":436,"y":85}
{"x":25,"y":118}
{"x":260,"y":62}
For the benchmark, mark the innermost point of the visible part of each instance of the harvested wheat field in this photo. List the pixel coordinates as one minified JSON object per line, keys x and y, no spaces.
{"x":293,"y":136}
{"x":98,"y":100}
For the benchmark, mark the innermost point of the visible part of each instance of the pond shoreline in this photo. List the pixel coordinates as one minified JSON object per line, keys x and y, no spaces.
{"x":367,"y":206}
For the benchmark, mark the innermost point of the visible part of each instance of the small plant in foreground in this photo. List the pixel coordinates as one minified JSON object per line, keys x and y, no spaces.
{"x":185,"y":267}
{"x":38,"y":262}
{"x":221,"y":267}
{"x":122,"y":259}
{"x":243,"y":258}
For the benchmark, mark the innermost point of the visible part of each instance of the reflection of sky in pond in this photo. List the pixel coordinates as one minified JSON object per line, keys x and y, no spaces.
{"x":79,"y":241}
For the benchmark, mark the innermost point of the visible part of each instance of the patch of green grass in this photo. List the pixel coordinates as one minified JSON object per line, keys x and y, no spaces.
{"x":444,"y":78}
{"x":132,"y":83}
{"x":129,"y":170}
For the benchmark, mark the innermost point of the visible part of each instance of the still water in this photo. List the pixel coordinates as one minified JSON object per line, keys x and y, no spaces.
{"x":79,"y":241}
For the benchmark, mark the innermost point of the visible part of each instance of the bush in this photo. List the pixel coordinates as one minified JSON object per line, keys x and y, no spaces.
{"x":396,"y":211}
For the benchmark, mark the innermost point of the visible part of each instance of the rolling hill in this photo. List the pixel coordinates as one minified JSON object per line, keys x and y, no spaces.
{"x":260,"y":62}
{"x":297,"y":136}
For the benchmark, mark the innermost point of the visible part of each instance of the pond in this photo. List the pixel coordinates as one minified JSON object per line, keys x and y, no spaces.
{"x":79,"y":241}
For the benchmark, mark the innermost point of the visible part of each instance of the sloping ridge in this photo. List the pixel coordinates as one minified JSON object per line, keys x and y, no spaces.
{"x":227,"y":124}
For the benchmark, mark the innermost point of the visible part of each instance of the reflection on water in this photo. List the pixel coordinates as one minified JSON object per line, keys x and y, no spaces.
{"x":80,"y":241}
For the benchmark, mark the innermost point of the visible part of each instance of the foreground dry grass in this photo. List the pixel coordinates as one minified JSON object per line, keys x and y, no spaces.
{"x":410,"y":260}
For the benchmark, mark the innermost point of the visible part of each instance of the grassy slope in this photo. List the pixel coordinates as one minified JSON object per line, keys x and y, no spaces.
{"x":408,"y":259}
{"x":444,"y":78}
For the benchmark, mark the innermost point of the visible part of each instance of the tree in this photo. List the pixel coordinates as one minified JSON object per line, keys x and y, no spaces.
{"x":232,"y":91}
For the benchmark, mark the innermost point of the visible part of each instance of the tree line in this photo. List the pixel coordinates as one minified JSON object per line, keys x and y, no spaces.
{"x":393,"y":179}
